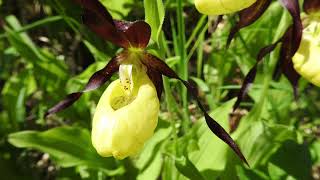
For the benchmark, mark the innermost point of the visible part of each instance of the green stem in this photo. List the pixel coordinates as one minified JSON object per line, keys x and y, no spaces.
{"x":201,"y":22}
{"x":197,"y":43}
{"x":200,"y":56}
{"x":170,"y":101}
{"x":183,"y":65}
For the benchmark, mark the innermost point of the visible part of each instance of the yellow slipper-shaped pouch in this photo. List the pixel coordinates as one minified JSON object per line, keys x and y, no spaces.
{"x":307,"y":59}
{"x":126,"y":116}
{"x":218,"y":7}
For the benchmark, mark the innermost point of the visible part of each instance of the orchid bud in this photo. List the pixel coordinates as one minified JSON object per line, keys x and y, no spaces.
{"x":219,"y":7}
{"x":306,"y":61}
{"x":126,"y":115}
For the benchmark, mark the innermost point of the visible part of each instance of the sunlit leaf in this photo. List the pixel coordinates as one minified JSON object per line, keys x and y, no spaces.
{"x":261,"y":139}
{"x":14,"y":93}
{"x":187,"y":168}
{"x":118,"y":8}
{"x":150,"y":159}
{"x":67,"y":146}
{"x":154,"y":15}
{"x":212,"y":156}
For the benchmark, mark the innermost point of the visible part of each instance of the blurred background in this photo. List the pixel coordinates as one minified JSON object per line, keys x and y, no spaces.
{"x":46,"y":52}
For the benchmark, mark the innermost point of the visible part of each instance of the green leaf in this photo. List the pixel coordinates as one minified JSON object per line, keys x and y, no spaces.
{"x":118,"y":8}
{"x":187,"y":168}
{"x":154,"y":16}
{"x":259,"y":140}
{"x":201,"y":84}
{"x":275,"y":172}
{"x":53,"y":72}
{"x":315,"y":151}
{"x":71,"y":14}
{"x":149,"y":161}
{"x":14,"y":92}
{"x":153,"y":169}
{"x":169,"y":171}
{"x":247,"y":174}
{"x":97,"y":54}
{"x":79,"y":81}
{"x":212,"y":154}
{"x":67,"y":146}
{"x":294,"y":159}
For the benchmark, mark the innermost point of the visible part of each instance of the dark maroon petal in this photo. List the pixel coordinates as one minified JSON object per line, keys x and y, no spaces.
{"x":311,"y":6}
{"x":96,"y":80}
{"x":156,"y":78}
{"x":97,"y":8}
{"x":138,"y":33}
{"x":68,"y":101}
{"x":249,"y":16}
{"x":288,"y":49}
{"x":122,"y":33}
{"x":103,"y":75}
{"x":153,"y":62}
{"x":290,"y":43}
{"x":104,"y":29}
{"x":249,"y":79}
{"x":293,"y":7}
{"x":99,"y":20}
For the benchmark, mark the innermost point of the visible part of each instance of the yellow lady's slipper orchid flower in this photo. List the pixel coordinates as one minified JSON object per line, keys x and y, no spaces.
{"x":126,"y":114}
{"x":306,"y":61}
{"x":218,"y":7}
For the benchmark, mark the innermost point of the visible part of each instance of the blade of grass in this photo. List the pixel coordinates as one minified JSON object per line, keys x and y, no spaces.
{"x":200,"y":23}
{"x":197,"y":43}
{"x":36,"y":24}
{"x":200,"y":57}
{"x":183,"y":65}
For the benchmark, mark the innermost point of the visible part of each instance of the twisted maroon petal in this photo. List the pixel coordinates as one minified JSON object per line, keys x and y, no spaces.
{"x":122,"y":33}
{"x":249,"y":16}
{"x":156,"y":78}
{"x":250,"y":77}
{"x":95,"y":81}
{"x":290,"y":43}
{"x":287,"y":51}
{"x":156,"y":64}
{"x":99,"y":20}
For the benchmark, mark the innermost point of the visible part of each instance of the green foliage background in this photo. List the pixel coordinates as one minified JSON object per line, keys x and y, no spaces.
{"x":46,"y":53}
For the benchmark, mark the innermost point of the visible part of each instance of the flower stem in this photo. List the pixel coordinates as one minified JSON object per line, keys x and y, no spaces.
{"x":183,"y":64}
